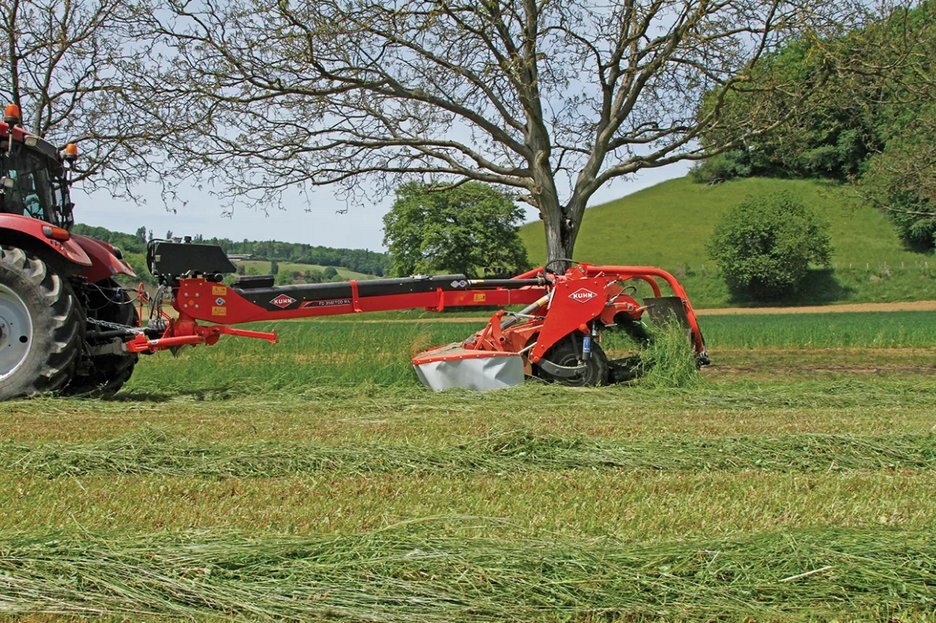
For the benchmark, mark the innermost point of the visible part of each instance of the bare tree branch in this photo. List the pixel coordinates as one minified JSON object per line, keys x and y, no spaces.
{"x":552,"y":98}
{"x":63,"y":62}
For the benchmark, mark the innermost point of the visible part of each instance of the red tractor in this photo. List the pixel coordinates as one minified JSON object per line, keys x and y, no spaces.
{"x":59,"y":303}
{"x":67,"y":326}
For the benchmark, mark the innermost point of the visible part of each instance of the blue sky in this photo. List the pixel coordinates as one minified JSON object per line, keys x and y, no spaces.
{"x":318,"y":223}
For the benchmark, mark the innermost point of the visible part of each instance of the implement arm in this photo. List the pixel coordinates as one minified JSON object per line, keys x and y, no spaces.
{"x":556,"y":305}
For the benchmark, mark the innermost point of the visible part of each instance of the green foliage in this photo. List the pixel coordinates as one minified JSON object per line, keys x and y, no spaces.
{"x":828,"y":138}
{"x":724,"y":166}
{"x":470,"y":229}
{"x":852,"y":108}
{"x":358,"y":260}
{"x":128,"y":243}
{"x":862,"y":121}
{"x":902,"y":180}
{"x":765,"y":245}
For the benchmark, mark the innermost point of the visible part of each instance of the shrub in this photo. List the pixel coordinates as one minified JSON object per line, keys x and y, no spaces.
{"x":901,"y":180}
{"x":722,"y":167}
{"x":765,"y":245}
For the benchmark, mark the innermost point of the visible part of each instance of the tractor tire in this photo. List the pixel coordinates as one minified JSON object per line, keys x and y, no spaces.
{"x":102,"y":376}
{"x":567,"y":352}
{"x":41,"y":326}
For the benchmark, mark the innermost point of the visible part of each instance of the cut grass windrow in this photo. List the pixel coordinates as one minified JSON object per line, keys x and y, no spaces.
{"x":424,"y":572}
{"x":152,"y":452}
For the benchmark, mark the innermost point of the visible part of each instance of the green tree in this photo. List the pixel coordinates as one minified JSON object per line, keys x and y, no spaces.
{"x":765,"y":245}
{"x":469,"y":229}
{"x":553,"y":99}
{"x":876,"y":79}
{"x":901,"y":180}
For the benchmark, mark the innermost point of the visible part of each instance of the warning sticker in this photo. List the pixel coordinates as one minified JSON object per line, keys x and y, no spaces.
{"x":219,"y":311}
{"x":219,"y":290}
{"x":480,"y":297}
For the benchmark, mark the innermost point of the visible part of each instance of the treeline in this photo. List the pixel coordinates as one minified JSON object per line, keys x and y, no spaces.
{"x":358,"y":260}
{"x":128,"y":243}
{"x":873,"y":123}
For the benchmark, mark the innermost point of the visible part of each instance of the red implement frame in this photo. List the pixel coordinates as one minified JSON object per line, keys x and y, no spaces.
{"x":557,"y":306}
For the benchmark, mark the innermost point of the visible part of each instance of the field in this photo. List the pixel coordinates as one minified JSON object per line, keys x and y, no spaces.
{"x":262,"y":267}
{"x":251,"y":267}
{"x":669,"y":224}
{"x":316,"y":480}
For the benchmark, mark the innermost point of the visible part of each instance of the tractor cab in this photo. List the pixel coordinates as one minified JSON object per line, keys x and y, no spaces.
{"x":33,"y":178}
{"x":63,"y":317}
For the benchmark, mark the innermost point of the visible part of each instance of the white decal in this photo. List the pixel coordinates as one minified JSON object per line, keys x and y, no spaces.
{"x":283,"y":301}
{"x":582,"y":295}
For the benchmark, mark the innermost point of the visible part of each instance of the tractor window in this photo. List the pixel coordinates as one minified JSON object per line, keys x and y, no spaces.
{"x":28,"y":189}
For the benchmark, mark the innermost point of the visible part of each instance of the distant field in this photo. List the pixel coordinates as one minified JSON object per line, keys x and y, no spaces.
{"x":316,"y":480}
{"x":669,"y":224}
{"x":262,"y":267}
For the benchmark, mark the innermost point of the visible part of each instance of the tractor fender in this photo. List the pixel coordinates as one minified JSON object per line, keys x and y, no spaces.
{"x":31,"y":233}
{"x":106,"y":260}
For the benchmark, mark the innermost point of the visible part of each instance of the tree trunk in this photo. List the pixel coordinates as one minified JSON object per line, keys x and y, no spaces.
{"x":560,"y":237}
{"x":558,"y":221}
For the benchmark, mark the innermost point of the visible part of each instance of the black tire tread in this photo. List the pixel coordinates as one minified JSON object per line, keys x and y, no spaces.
{"x":107,"y":373}
{"x":66,"y":328}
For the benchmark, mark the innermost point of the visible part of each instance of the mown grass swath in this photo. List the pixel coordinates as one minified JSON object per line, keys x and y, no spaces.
{"x":668,"y":360}
{"x":154,"y":453}
{"x":425,"y":572}
{"x":643,"y":502}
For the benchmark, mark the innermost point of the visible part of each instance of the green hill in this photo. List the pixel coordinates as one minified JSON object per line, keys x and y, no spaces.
{"x":668,"y":225}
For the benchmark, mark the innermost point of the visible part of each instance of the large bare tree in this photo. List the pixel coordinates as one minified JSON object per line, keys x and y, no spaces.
{"x":550,"y":98}
{"x":64,"y":63}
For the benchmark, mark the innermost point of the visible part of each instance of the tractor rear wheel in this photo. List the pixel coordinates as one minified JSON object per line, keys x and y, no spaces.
{"x":101,"y":376}
{"x":41,"y":326}
{"x":568,"y":353}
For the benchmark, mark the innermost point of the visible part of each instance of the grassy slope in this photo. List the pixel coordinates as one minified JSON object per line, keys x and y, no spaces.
{"x":668,"y":225}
